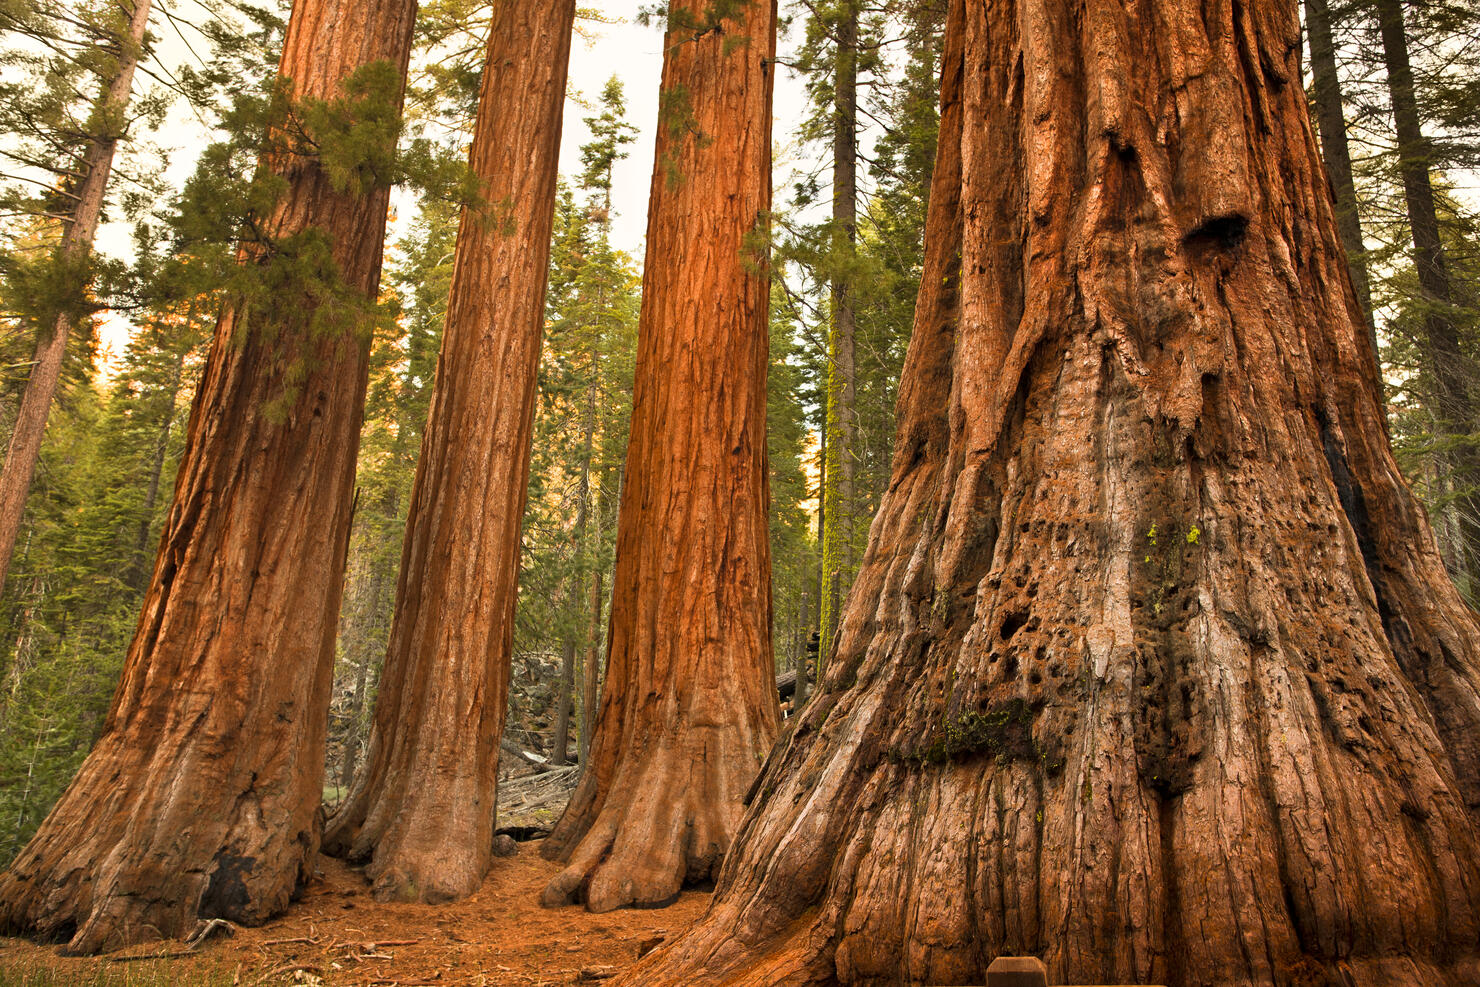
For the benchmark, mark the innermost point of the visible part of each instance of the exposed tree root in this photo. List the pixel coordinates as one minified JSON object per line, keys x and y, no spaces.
{"x":665,"y":823}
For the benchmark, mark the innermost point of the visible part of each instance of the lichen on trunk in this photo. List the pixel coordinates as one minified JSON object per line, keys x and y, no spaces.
{"x":1151,"y":668}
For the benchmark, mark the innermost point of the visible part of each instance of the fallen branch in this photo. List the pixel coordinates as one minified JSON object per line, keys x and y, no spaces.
{"x":317,"y":971}
{"x":175,"y":955}
{"x":510,"y":748}
{"x":377,"y":944}
{"x":208,"y":929}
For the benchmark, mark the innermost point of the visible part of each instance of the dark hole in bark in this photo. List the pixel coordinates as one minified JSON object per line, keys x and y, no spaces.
{"x":1011,"y":624}
{"x":226,"y":895}
{"x":61,"y":934}
{"x":1219,"y":232}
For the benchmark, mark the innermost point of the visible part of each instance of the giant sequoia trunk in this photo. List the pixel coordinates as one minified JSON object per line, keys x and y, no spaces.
{"x":1152,"y":668}
{"x":24,"y":448}
{"x":689,"y":709}
{"x":201,"y":798}
{"x":422,"y":811}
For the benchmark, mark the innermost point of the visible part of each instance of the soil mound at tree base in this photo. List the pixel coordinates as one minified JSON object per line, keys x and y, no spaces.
{"x":337,"y":934}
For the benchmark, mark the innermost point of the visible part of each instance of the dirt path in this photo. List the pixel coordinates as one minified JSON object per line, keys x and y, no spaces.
{"x":337,"y":934}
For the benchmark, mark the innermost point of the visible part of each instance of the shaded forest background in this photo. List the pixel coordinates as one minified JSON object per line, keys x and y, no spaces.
{"x":846,"y":268}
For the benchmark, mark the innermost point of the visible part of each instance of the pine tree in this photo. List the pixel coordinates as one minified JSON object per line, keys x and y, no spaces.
{"x":866,"y":265}
{"x":73,"y":147}
{"x":793,"y":547}
{"x":1453,"y":371}
{"x":593,"y":295}
{"x":79,"y":578}
{"x":1330,"y":116}
{"x":1436,"y":437}
{"x":838,"y":46}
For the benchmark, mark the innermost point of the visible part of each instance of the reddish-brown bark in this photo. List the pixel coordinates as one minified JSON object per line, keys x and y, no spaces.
{"x":24,"y":448}
{"x":1152,"y":668}
{"x":689,"y":707}
{"x":201,"y":798}
{"x":422,"y":812}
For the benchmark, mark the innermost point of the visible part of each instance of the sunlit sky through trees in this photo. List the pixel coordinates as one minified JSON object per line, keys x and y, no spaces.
{"x":624,"y":48}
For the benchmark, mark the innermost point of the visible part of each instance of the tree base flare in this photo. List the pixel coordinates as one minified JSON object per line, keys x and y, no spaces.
{"x":646,"y":840}
{"x":106,"y":873}
{"x":417,"y":857}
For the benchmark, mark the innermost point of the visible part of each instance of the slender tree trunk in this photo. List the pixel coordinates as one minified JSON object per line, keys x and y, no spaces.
{"x":201,"y":798}
{"x":23,"y":653}
{"x":840,"y":536}
{"x":583,"y":509}
{"x":1152,"y":668}
{"x":845,"y":226}
{"x":361,"y":647}
{"x":799,"y":697}
{"x":1454,"y":373}
{"x":51,"y":345}
{"x":819,"y":626}
{"x":591,"y":661}
{"x":1331,"y":124}
{"x":563,"y":699}
{"x":591,"y":669}
{"x":422,"y":813}
{"x":690,"y":707}
{"x":140,"y":570}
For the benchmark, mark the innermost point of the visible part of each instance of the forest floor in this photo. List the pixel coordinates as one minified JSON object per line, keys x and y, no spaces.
{"x":337,"y":934}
